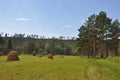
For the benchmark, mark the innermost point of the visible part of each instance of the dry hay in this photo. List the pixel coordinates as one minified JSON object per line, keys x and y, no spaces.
{"x":61,"y":56}
{"x":39,"y":55}
{"x":12,"y":56}
{"x":50,"y":56}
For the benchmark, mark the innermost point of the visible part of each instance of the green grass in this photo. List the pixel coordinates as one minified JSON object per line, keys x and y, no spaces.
{"x":67,"y":68}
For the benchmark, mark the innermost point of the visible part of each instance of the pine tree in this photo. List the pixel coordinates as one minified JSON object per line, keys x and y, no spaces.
{"x":10,"y":46}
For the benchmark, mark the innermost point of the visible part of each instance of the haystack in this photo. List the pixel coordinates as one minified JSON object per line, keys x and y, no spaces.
{"x":12,"y":56}
{"x":50,"y":56}
{"x":61,"y":56}
{"x":39,"y":55}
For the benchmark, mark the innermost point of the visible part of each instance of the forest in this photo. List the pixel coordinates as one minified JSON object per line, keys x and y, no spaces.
{"x":99,"y":36}
{"x":33,"y":45}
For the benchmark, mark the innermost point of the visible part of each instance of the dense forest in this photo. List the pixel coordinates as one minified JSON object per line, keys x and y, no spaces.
{"x":99,"y":36}
{"x":32,"y":44}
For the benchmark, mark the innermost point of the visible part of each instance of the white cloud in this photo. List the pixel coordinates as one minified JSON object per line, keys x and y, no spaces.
{"x":23,"y":19}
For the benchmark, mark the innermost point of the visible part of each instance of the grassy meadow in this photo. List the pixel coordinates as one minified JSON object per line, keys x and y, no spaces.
{"x":67,"y":68}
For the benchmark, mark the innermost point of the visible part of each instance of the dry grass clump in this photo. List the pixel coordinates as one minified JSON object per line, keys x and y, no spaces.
{"x":12,"y":56}
{"x":39,"y":55}
{"x":61,"y":56}
{"x":50,"y":56}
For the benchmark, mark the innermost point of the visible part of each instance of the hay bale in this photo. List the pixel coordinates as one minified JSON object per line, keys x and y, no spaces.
{"x":39,"y":55}
{"x":61,"y":56}
{"x":50,"y":56}
{"x":12,"y":56}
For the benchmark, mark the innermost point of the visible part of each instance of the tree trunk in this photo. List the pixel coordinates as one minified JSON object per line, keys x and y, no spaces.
{"x":94,"y":47}
{"x":107,"y":49}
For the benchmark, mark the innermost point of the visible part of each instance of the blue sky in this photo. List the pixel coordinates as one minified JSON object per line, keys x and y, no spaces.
{"x":52,"y":17}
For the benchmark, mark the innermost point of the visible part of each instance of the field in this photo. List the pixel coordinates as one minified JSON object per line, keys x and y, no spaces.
{"x":67,"y":68}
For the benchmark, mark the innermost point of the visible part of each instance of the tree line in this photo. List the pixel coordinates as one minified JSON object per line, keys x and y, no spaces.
{"x":23,"y":35}
{"x":99,"y":36}
{"x":33,"y":45}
